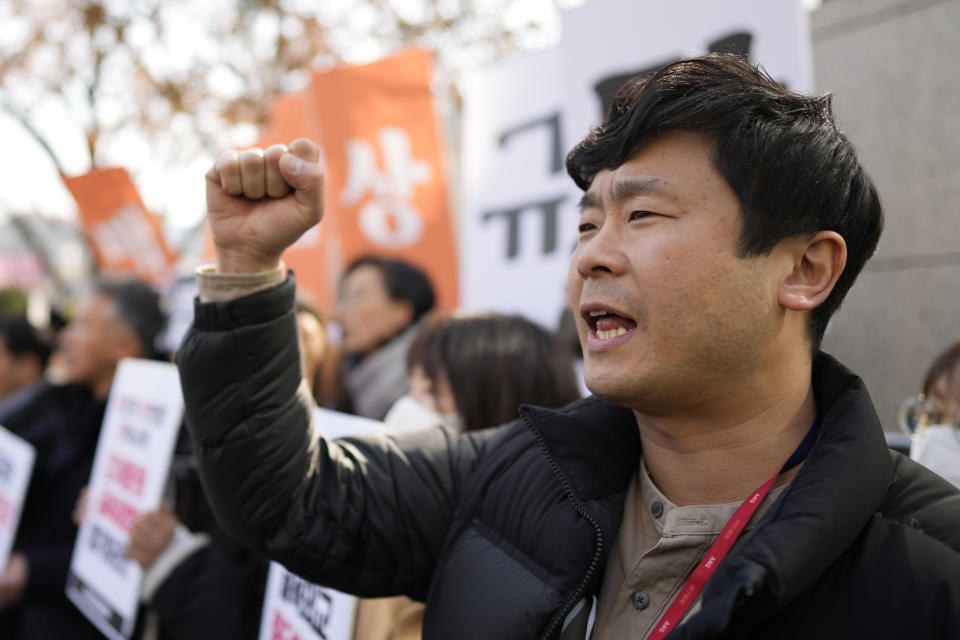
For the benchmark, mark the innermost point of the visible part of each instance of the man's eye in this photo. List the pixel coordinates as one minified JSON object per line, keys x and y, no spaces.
{"x":586,"y":226}
{"x":637,"y":215}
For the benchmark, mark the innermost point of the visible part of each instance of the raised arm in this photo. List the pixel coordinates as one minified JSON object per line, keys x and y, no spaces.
{"x":364,"y":515}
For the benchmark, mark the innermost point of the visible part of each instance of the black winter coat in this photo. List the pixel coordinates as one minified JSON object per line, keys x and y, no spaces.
{"x":215,"y":593}
{"x":503,"y":532}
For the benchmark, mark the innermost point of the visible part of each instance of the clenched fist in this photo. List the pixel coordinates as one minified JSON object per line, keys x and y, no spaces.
{"x":260,"y":201}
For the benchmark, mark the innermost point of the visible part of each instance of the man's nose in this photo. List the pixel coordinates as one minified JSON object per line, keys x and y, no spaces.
{"x":602,"y":252}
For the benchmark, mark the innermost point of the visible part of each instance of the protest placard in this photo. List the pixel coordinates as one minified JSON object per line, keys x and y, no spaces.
{"x":140,"y":426}
{"x":16,"y":464}
{"x":124,"y":236}
{"x":385,"y":169}
{"x":180,"y":296}
{"x":295,"y":609}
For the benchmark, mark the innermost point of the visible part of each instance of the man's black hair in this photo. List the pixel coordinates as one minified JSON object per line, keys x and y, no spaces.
{"x":138,"y":306}
{"x":403,"y":281}
{"x":22,"y":338}
{"x":781,"y":152}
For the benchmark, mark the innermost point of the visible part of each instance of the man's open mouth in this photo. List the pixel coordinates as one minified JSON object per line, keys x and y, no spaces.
{"x":607,"y":324}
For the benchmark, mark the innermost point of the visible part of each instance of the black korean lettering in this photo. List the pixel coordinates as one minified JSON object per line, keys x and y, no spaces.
{"x":547,"y":209}
{"x":552,"y":123}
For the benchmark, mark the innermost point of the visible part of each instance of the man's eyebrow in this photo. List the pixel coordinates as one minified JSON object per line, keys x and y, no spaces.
{"x":587,"y":201}
{"x":626,"y":188}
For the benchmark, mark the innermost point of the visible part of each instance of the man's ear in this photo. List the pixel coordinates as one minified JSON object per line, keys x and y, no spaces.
{"x":818,"y":261}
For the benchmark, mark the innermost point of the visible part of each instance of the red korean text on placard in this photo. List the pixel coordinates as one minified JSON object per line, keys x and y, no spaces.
{"x":115,"y":509}
{"x":282,"y":630}
{"x":128,"y":475}
{"x":6,"y":512}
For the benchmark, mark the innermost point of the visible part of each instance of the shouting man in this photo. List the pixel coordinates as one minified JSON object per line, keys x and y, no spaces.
{"x":727,"y":479}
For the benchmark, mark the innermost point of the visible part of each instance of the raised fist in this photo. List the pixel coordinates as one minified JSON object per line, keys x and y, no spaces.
{"x":260,"y":201}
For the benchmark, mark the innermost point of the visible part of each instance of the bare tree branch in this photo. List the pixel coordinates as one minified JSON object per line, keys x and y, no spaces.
{"x":34,"y":133}
{"x":121,"y":66}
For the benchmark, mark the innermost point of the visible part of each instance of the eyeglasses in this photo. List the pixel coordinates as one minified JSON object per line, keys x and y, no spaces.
{"x":919,"y":411}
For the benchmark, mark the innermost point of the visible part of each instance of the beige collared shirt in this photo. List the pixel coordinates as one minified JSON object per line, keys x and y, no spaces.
{"x":657,"y":548}
{"x":222,"y":287}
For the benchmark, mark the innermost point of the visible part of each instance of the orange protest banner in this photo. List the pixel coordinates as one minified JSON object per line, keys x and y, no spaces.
{"x":290,"y":118}
{"x":125,"y":238}
{"x":386,"y":172}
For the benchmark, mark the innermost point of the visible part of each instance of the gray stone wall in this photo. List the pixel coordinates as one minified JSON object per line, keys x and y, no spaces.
{"x":894,"y":69}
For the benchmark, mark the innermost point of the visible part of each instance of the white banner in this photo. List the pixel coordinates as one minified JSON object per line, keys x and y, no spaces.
{"x":130,"y":469}
{"x":16,"y":465}
{"x":294,"y":609}
{"x":520,"y":119}
{"x":179,"y":311}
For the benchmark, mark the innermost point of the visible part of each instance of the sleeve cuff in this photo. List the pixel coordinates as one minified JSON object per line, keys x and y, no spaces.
{"x":184,"y":543}
{"x":222,"y":287}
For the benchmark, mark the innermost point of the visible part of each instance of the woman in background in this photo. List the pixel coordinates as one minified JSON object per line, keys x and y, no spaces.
{"x":319,"y":355}
{"x":474,"y":371}
{"x":380,"y":305}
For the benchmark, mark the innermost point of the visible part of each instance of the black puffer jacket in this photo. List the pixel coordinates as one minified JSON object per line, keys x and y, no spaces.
{"x":503,"y":532}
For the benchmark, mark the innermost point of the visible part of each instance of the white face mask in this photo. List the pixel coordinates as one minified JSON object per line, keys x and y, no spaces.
{"x":937,"y":447}
{"x":407,"y":414}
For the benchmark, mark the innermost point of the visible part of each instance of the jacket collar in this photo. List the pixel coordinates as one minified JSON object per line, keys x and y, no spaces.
{"x":597,"y":446}
{"x":838,"y":489}
{"x":595,"y":443}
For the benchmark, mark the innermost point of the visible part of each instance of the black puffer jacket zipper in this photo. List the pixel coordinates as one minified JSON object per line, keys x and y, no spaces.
{"x":555,"y":626}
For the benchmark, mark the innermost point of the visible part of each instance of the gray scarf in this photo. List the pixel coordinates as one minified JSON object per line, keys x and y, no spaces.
{"x":380,"y":378}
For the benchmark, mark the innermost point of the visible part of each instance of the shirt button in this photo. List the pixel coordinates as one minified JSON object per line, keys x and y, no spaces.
{"x":656,"y":508}
{"x":640,"y":600}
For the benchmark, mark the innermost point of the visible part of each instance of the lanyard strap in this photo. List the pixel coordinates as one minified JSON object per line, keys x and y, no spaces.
{"x":695,"y":583}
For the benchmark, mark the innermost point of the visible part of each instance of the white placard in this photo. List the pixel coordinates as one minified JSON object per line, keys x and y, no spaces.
{"x":16,"y":465}
{"x":334,"y":424}
{"x":294,"y":609}
{"x":523,"y":116}
{"x":179,"y":312}
{"x":139,"y":430}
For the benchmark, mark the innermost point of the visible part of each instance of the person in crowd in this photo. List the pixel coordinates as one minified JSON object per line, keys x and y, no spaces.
{"x":727,"y":479}
{"x":467,"y":373}
{"x":936,"y":440}
{"x":321,"y":356}
{"x":473,"y":371}
{"x":24,"y":353}
{"x":380,"y":304}
{"x":118,"y":318}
